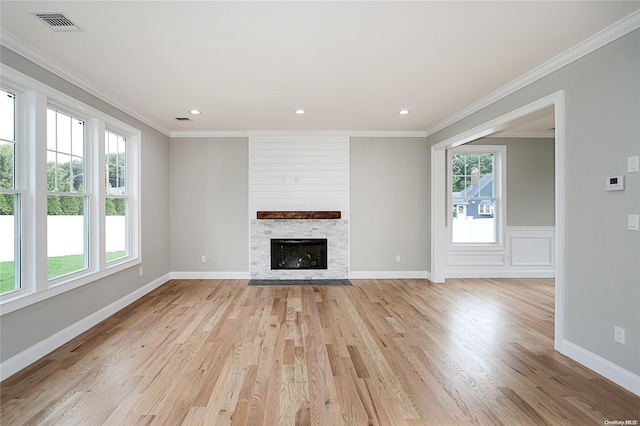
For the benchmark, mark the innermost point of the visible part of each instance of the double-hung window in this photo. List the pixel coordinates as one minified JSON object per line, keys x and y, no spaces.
{"x":477,"y":195}
{"x":67,"y":198}
{"x":69,"y":193}
{"x":10,"y":197}
{"x":117,"y":197}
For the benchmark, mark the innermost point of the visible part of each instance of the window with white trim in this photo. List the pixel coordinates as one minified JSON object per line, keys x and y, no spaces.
{"x":477,"y":193}
{"x":10,"y":218}
{"x":485,"y":208}
{"x":67,"y":199}
{"x":56,"y":155}
{"x":117,"y":197}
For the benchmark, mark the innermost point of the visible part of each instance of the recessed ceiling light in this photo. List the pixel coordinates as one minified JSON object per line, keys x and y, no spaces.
{"x":301,"y":112}
{"x":404,"y":112}
{"x":194,"y":112}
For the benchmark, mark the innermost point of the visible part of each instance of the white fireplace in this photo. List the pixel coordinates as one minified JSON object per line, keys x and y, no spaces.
{"x":299,"y":172}
{"x":334,"y":230}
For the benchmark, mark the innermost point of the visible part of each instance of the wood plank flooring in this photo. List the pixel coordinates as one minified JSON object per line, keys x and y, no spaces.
{"x":380,"y":352}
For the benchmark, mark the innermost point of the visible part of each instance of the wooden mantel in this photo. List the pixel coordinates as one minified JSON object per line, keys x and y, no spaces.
{"x":299,"y":215}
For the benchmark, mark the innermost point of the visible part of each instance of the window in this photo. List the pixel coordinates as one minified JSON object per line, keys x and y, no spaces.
{"x":485,"y":208}
{"x":9,"y":197}
{"x":476,"y":192}
{"x":116,"y":198}
{"x":67,"y":201}
{"x":61,"y":225}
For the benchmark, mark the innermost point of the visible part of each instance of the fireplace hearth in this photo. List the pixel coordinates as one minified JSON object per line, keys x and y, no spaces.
{"x":299,"y":253}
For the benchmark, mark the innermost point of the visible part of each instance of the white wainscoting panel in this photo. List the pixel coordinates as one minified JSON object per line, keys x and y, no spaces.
{"x":529,"y":252}
{"x":299,"y":172}
{"x":531,"y":248}
{"x":478,"y":258}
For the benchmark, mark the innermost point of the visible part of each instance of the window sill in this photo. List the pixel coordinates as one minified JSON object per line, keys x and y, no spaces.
{"x":24,"y":299}
{"x":476,"y":247}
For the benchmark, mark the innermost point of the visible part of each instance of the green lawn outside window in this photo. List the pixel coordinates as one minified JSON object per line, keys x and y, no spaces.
{"x":57,"y":266}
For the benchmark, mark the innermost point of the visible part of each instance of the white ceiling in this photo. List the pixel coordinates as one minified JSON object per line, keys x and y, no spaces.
{"x":350,"y":65}
{"x":538,"y":124}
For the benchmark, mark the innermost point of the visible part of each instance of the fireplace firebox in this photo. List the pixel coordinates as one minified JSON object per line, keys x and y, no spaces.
{"x":302,"y":253}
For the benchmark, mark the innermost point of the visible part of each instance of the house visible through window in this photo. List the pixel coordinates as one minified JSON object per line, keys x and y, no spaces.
{"x":475,"y":194}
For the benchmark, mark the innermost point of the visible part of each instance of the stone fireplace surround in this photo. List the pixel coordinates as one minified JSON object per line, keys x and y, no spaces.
{"x":336,"y":232}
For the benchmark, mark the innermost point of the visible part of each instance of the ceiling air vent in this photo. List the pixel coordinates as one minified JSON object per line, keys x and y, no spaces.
{"x":57,"y":21}
{"x":183,"y":119}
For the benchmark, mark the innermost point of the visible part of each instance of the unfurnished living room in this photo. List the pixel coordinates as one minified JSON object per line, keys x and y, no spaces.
{"x":319,"y":213}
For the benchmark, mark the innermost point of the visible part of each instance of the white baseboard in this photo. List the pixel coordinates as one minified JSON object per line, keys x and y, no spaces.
{"x":40,"y":349}
{"x":209,"y":275}
{"x":605,"y":368}
{"x":218,"y":275}
{"x":390,"y":274}
{"x":499,"y":274}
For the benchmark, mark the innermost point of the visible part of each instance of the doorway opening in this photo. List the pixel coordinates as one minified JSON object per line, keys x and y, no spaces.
{"x":441,"y":212}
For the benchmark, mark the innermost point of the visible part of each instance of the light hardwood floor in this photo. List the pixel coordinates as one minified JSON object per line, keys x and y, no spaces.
{"x":381,"y":352}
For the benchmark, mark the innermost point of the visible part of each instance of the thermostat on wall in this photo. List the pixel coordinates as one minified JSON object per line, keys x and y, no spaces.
{"x":615,"y":183}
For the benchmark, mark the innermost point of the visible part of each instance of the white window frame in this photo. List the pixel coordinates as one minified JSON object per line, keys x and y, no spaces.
{"x":88,"y":176}
{"x":132,"y":156}
{"x":33,"y":99}
{"x":19,"y":190}
{"x":500,"y":193}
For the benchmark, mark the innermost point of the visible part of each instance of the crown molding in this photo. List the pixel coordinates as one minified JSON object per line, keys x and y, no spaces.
{"x":523,"y":135}
{"x":208,"y":134}
{"x":247,"y":133}
{"x":27,"y":51}
{"x":388,"y":134}
{"x":622,"y":27}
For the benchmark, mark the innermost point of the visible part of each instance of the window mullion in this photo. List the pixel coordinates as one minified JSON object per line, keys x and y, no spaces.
{"x":34,"y":205}
{"x":98,"y":192}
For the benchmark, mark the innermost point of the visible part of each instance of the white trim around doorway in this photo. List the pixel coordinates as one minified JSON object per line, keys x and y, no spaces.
{"x":439,"y":205}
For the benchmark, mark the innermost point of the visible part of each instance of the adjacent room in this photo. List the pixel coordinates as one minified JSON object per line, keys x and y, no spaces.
{"x":328,"y":213}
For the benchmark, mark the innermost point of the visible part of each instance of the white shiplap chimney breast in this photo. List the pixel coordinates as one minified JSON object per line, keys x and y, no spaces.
{"x":299,"y":172}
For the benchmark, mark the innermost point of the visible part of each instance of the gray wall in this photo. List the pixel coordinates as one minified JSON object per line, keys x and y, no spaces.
{"x":209,"y":204}
{"x":389,"y":204}
{"x":28,"y":326}
{"x":209,"y":210}
{"x":602,"y":106}
{"x":530,"y":180}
